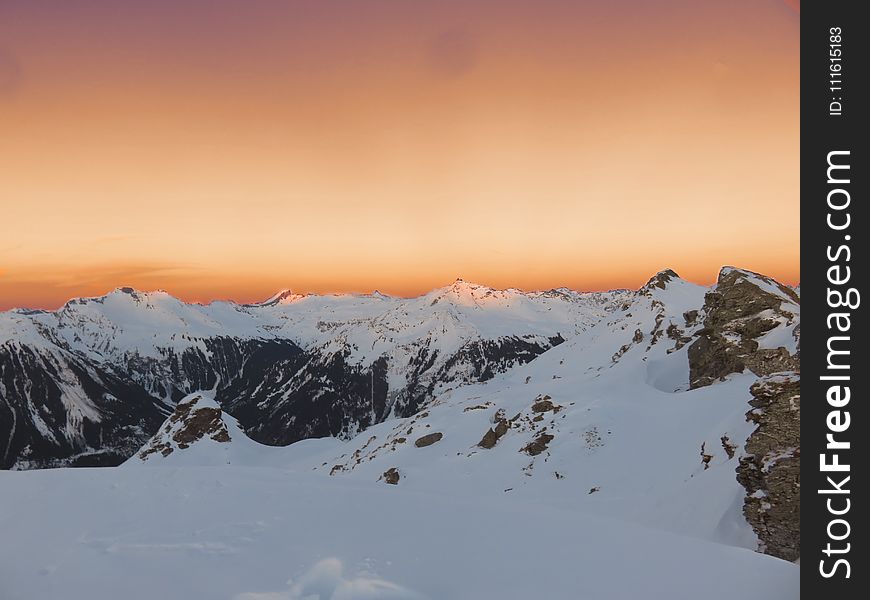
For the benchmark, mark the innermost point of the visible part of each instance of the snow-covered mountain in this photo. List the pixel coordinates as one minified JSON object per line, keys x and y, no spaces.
{"x":446,"y":446}
{"x":626,"y":405}
{"x":290,"y":368}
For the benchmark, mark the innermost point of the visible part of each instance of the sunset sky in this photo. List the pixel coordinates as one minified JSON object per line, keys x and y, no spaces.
{"x":226,"y":149}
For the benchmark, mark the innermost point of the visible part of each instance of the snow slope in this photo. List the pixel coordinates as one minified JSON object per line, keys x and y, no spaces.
{"x":627,"y":433}
{"x":260,"y":533}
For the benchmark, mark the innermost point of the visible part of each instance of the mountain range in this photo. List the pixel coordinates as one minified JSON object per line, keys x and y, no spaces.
{"x":674,"y":407}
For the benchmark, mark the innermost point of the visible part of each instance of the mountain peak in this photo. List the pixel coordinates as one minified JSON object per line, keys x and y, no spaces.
{"x":460,"y":283}
{"x":136,"y":293}
{"x":197,"y":418}
{"x":660,"y":280}
{"x":730,"y":276}
{"x":468,"y":293}
{"x":285,"y":296}
{"x":120,"y":293}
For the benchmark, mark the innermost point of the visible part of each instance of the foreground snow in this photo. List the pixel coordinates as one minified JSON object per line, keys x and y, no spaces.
{"x":266,"y":533}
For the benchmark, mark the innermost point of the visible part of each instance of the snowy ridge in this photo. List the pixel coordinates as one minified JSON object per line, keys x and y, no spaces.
{"x":298,"y":366}
{"x":395,"y":354}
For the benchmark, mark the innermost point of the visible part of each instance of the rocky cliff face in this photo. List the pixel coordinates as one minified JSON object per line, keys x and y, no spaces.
{"x":59,"y":409}
{"x":770,"y":468}
{"x":750,"y":322}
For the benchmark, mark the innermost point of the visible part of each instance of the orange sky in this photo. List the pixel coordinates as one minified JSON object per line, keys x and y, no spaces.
{"x":226,"y":149}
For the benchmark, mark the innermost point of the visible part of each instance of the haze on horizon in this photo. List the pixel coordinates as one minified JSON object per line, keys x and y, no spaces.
{"x":228,"y":149}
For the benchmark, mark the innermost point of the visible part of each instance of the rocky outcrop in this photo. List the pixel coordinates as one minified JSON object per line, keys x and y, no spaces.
{"x":738,"y":313}
{"x":544,"y":404}
{"x":538,"y":445}
{"x":428,"y":440}
{"x":770,"y":467}
{"x":751,"y":323}
{"x":659,"y":281}
{"x":195,"y":418}
{"x":494,"y":434}
{"x":391,"y":476}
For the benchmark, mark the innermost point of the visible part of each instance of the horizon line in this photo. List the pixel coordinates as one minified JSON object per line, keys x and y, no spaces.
{"x":277,"y":296}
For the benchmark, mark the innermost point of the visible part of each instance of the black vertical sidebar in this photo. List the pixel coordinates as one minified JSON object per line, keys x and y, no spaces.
{"x":835,"y":423}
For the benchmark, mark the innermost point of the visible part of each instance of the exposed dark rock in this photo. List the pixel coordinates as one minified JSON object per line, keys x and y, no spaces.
{"x":478,"y":360}
{"x":34,"y":413}
{"x":675,"y":333}
{"x":284,"y":395}
{"x":660,"y":280}
{"x":391,"y":476}
{"x":199,"y":424}
{"x":545,"y":404}
{"x":429,"y":439}
{"x":488,"y":440}
{"x":538,"y":445}
{"x":705,"y":458}
{"x":187,"y":425}
{"x":491,"y":437}
{"x":619,"y":353}
{"x":729,"y":446}
{"x":770,"y":468}
{"x":736,"y":313}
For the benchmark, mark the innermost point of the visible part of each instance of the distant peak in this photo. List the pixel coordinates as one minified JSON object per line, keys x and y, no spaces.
{"x":660,"y":280}
{"x":284,"y":296}
{"x":115,"y":293}
{"x":462,"y":292}
{"x":461,"y":285}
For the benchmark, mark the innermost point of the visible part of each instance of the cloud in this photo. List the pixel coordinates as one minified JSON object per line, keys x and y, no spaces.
{"x":108,"y":274}
{"x":50,"y":285}
{"x":326,"y":581}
